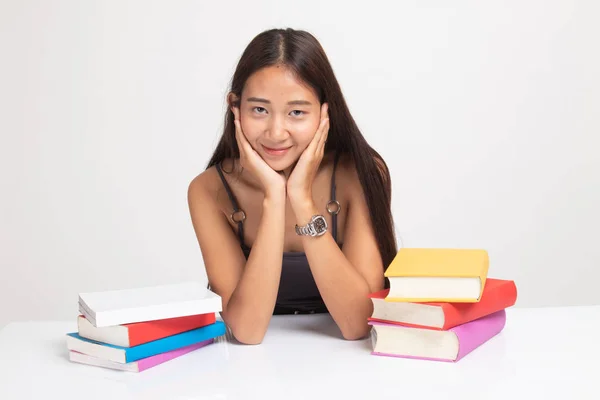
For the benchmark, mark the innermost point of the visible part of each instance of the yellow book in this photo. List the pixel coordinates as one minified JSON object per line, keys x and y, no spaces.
{"x":437,"y":275}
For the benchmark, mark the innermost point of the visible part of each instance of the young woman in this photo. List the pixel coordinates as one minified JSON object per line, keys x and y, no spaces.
{"x":293,"y":213}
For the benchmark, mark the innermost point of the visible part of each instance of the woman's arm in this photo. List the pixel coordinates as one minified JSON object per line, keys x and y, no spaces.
{"x":346,"y":278}
{"x":248,"y":288}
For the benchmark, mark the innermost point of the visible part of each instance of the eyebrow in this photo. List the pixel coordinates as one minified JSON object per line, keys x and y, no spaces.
{"x":293,"y":102}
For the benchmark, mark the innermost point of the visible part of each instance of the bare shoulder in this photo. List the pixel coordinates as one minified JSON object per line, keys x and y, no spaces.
{"x":207,"y":184}
{"x":207,"y":192}
{"x":203,"y":186}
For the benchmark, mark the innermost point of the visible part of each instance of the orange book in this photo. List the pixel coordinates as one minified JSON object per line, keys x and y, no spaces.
{"x":497,"y":295}
{"x":129,"y":335}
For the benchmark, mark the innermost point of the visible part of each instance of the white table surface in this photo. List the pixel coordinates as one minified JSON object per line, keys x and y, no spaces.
{"x":540,"y":352}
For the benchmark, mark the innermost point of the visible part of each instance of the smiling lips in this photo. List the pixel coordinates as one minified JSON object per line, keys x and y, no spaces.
{"x":276,"y":152}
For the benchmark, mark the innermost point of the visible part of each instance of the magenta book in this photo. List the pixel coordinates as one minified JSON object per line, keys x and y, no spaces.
{"x":153,"y":361}
{"x":393,"y":340}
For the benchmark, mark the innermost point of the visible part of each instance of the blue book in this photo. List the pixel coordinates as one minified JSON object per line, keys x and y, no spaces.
{"x":120,"y":354}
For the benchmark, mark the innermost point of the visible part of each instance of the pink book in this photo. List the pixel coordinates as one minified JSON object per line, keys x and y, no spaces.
{"x":450,"y":345}
{"x":139,"y":365}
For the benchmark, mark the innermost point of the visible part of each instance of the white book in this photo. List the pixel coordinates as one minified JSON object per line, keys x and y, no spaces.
{"x":99,"y":362}
{"x":116,"y":307}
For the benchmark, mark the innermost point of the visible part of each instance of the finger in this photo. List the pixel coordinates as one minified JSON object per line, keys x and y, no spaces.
{"x":246,"y":150}
{"x":235,"y":119}
{"x":238,"y":123}
{"x":324,"y":135}
{"x":238,"y":126}
{"x":321,"y":147}
{"x":324,"y":110}
{"x":314,"y":144}
{"x":238,"y":129}
{"x":325,"y":131}
{"x":239,"y":138}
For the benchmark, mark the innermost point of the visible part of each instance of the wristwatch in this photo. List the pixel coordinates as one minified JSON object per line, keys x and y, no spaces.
{"x":316,"y":227}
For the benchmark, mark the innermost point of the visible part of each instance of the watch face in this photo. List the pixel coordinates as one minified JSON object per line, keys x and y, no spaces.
{"x":320,"y":224}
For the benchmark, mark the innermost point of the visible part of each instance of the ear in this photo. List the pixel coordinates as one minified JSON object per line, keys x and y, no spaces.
{"x":233,"y":100}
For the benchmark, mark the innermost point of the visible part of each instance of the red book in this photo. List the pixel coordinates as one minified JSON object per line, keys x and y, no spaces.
{"x":497,"y":295}
{"x":129,"y":335}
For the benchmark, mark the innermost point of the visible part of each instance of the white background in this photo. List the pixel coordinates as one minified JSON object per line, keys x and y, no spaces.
{"x":487,"y":114}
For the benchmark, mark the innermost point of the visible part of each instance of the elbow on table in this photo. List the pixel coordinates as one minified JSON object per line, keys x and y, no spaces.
{"x":249,"y":336}
{"x":356,"y":333}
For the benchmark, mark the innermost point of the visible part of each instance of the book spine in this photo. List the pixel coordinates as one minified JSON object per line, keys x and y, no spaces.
{"x":473,"y":334}
{"x":153,"y":361}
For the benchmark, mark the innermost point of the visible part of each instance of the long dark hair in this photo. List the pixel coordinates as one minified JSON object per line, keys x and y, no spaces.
{"x":301,"y":52}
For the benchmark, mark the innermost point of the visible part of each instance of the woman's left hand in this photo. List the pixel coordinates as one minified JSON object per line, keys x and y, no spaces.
{"x":299,"y":183}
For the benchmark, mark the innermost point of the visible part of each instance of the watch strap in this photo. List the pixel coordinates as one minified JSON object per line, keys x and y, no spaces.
{"x":316,"y":227}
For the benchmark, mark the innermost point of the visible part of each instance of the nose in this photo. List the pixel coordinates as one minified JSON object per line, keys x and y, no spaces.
{"x":277,"y":129}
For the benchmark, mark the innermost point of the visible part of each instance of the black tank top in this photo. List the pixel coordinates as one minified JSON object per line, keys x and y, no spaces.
{"x":298,"y":292}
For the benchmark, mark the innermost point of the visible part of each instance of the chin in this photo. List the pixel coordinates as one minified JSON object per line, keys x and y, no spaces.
{"x":281,"y":165}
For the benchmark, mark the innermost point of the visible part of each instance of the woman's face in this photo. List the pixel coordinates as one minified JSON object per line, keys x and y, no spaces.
{"x":279,"y":115}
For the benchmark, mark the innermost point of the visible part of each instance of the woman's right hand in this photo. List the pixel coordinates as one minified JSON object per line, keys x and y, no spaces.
{"x":273,"y":182}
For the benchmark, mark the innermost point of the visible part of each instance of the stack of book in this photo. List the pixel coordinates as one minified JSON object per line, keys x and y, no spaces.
{"x":441,"y":305}
{"x":136,"y":329}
